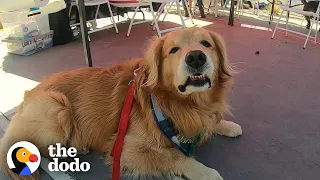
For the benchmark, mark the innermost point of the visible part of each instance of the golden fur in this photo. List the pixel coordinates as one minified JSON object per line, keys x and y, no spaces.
{"x":81,"y":108}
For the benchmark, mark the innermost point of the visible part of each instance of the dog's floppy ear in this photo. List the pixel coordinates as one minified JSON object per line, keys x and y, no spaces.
{"x":224,"y":67}
{"x":152,"y":59}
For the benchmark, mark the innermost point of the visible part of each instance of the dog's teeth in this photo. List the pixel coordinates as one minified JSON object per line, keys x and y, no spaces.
{"x":197,"y":77}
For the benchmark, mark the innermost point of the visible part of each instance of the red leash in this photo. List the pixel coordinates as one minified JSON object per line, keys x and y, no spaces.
{"x":122,"y":129}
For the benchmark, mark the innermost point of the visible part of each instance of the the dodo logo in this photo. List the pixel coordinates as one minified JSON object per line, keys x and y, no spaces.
{"x":23,"y":158}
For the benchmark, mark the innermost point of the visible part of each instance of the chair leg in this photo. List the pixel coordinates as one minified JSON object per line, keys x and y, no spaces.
{"x":152,"y":23}
{"x":193,"y":7}
{"x":305,"y":43}
{"x":112,"y":18}
{"x":180,"y":14}
{"x":96,"y":15}
{"x":94,"y":25}
{"x":253,"y":7}
{"x":216,"y":8}
{"x":177,"y":11}
{"x":225,"y":3}
{"x":275,"y":29}
{"x":167,"y":11}
{"x":316,"y":35}
{"x":155,"y":19}
{"x":209,"y":6}
{"x":143,"y":16}
{"x":159,"y":12}
{"x":241,"y":8}
{"x":70,"y":9}
{"x":237,"y":9}
{"x":134,"y":15}
{"x":287,"y":20}
{"x":258,"y":9}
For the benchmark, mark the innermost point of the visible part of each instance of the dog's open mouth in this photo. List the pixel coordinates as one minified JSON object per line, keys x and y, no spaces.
{"x":196,"y":80}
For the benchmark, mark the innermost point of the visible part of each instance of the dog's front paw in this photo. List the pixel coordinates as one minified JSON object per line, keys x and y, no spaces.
{"x":228,"y":128}
{"x":210,"y":174}
{"x":204,"y":174}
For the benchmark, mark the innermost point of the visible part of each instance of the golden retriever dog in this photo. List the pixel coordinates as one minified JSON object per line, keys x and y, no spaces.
{"x":185,"y":70}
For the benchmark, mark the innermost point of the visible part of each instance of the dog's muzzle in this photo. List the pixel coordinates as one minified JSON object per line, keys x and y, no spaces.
{"x":196,"y":65}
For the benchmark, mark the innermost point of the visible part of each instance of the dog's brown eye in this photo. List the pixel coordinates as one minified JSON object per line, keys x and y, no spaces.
{"x":174,"y":50}
{"x":206,"y":44}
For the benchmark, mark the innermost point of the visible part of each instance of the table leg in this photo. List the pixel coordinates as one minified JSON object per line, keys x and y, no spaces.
{"x":290,"y":7}
{"x":231,"y":14}
{"x":84,"y":32}
{"x":272,"y":10}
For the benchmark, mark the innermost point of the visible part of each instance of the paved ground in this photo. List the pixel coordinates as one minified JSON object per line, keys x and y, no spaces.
{"x":275,"y":98}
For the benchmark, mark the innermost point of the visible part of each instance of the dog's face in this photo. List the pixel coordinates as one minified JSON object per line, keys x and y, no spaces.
{"x":191,"y":60}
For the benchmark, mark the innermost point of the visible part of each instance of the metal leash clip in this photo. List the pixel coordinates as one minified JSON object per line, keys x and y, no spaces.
{"x":135,"y":74}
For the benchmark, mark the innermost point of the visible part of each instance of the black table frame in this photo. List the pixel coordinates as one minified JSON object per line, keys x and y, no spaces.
{"x":84,"y":32}
{"x":231,"y":14}
{"x":272,"y":10}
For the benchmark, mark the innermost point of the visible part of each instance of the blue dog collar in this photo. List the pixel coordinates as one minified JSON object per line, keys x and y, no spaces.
{"x":184,"y":144}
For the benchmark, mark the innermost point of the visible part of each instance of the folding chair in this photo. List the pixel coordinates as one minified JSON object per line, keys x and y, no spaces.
{"x":129,"y":4}
{"x":97,"y":3}
{"x":155,"y":17}
{"x":161,"y":9}
{"x":315,"y":17}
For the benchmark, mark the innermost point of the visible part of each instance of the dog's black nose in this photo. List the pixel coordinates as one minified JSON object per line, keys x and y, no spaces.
{"x":196,"y":59}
